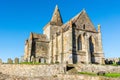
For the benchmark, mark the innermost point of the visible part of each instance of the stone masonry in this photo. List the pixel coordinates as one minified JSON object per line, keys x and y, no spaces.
{"x":76,"y":41}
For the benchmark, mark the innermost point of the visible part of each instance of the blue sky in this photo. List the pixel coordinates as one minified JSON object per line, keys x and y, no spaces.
{"x":20,"y":17}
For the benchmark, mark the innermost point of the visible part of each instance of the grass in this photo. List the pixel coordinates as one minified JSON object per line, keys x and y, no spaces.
{"x":31,"y":63}
{"x":87,"y":73}
{"x":112,"y":75}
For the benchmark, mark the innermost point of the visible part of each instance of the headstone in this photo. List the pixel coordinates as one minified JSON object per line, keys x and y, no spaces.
{"x":0,"y":61}
{"x":110,"y":62}
{"x":101,"y":73}
{"x":16,"y":60}
{"x":10,"y":61}
{"x":118,"y":63}
{"x":42,"y":60}
{"x":106,"y":61}
{"x":103,"y":60}
{"x":33,"y":60}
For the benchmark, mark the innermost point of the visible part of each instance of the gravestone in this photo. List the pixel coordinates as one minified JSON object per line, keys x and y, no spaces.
{"x":101,"y":73}
{"x":0,"y":61}
{"x":42,"y":60}
{"x":16,"y":60}
{"x":106,"y":61}
{"x":10,"y":61}
{"x":110,"y":62}
{"x":33,"y":59}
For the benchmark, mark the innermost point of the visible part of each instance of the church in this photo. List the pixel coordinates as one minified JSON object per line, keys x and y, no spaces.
{"x":76,"y":41}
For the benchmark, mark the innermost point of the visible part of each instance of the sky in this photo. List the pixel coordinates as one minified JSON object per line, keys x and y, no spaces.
{"x":20,"y":17}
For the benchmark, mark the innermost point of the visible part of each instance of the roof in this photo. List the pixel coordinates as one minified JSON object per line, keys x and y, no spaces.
{"x":80,"y":20}
{"x":56,"y":18}
{"x":39,"y":37}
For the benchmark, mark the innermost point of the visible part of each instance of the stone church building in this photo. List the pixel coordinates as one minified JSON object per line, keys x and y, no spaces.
{"x":76,"y":41}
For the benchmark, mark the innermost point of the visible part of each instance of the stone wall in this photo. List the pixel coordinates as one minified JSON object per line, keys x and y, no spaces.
{"x":56,"y":77}
{"x":97,"y":68}
{"x":30,"y":70}
{"x":52,"y":72}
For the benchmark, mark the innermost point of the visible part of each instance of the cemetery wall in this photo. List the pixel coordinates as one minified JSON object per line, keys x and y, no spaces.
{"x":30,"y":70}
{"x":96,"y":68}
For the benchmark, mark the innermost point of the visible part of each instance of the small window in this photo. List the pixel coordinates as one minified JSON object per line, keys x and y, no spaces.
{"x":84,"y":26}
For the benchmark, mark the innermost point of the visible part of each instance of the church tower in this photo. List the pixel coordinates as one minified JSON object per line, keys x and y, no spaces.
{"x":54,"y":25}
{"x":76,"y":41}
{"x":56,"y":18}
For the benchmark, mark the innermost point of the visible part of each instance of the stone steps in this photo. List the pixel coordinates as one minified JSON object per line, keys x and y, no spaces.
{"x":71,"y":69}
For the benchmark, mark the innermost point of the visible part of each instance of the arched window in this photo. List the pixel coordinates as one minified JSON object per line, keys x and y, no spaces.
{"x":91,"y":48}
{"x":84,"y":26}
{"x":91,"y":45}
{"x":79,"y":41}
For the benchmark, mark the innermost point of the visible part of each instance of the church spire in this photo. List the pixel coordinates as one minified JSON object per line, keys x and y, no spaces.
{"x":56,"y":18}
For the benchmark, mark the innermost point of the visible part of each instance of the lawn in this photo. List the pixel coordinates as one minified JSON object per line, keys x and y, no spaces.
{"x":31,"y":63}
{"x":87,"y":73}
{"x":113,"y":75}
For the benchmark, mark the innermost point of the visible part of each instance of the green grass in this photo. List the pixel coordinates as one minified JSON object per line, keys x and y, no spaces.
{"x":112,"y":75}
{"x":87,"y":73}
{"x":31,"y":63}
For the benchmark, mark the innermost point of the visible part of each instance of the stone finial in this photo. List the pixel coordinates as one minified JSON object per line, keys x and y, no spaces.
{"x":84,"y":10}
{"x":56,"y":7}
{"x":31,"y":36}
{"x":70,"y":23}
{"x":99,"y":28}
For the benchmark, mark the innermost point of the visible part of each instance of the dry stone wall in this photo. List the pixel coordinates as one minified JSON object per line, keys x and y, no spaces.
{"x":97,"y":68}
{"x":30,"y":70}
{"x":52,"y":72}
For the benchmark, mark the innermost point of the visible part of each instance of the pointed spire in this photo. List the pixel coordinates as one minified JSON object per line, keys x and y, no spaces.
{"x":56,"y":18}
{"x":84,"y":10}
{"x":56,"y":7}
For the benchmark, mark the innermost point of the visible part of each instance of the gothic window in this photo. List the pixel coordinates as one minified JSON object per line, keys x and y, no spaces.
{"x":91,"y":48}
{"x":84,"y":34}
{"x":84,"y":26}
{"x":79,"y":41}
{"x":91,"y":45}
